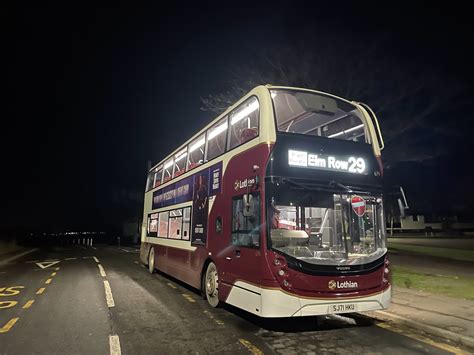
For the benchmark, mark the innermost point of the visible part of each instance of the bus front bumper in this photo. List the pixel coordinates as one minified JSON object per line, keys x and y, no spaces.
{"x":274,"y":302}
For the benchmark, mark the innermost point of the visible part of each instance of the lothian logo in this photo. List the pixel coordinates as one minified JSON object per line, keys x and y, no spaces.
{"x":332,"y":285}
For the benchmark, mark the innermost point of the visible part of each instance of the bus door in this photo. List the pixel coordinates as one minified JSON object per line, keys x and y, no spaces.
{"x":243,"y":254}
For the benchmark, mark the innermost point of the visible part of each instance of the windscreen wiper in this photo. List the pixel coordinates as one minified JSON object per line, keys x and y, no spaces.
{"x":334,"y":183}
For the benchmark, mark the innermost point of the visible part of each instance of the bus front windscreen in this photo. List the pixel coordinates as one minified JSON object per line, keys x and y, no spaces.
{"x":331,"y":229}
{"x":317,"y":114}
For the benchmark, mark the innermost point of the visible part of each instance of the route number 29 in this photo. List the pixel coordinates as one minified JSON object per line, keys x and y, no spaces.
{"x":356,"y":165}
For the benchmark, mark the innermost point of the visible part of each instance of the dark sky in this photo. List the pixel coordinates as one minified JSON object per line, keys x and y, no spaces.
{"x":100,"y":91}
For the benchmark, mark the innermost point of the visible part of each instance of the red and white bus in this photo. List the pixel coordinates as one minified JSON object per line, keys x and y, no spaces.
{"x":275,"y":207}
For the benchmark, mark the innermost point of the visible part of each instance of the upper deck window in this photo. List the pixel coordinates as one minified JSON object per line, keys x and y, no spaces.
{"x":216,"y":139}
{"x":180,"y":162}
{"x":154,"y":178}
{"x":244,"y":123}
{"x":168,"y":170}
{"x":317,"y":114}
{"x":196,"y":152}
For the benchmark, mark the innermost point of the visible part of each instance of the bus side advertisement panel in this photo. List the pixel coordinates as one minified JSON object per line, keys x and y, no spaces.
{"x":206,"y":183}
{"x":196,"y":188}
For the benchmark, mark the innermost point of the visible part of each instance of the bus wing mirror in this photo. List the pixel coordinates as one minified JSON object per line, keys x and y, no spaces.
{"x":402,"y":203}
{"x":401,"y":208}
{"x":249,"y":205}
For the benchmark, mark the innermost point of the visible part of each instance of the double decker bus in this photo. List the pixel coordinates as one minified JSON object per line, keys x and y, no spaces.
{"x":275,"y":207}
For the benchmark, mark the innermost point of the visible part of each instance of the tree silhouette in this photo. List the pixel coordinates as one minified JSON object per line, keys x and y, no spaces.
{"x":411,"y":97}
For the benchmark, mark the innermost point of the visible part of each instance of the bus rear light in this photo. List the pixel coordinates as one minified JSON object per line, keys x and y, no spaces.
{"x":281,"y":272}
{"x":286,"y":283}
{"x":386,"y":271}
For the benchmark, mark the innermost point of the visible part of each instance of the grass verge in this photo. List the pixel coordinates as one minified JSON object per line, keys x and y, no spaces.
{"x":456,"y":254}
{"x":452,"y":286}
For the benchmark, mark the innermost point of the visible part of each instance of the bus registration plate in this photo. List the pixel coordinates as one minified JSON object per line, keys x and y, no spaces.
{"x":342,"y":308}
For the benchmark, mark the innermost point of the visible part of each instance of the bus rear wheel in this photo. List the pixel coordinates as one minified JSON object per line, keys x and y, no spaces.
{"x":151,"y":261}
{"x":211,"y":285}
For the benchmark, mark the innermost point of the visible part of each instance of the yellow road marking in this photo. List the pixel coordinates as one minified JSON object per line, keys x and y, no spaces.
{"x":28,"y":304}
{"x":114,"y":343}
{"x":188,"y":297}
{"x":53,"y":274}
{"x":7,"y":304}
{"x":9,"y":325}
{"x":10,"y":291}
{"x":171,"y":285}
{"x":101,"y":270}
{"x":48,"y":281}
{"x":108,"y":294}
{"x":252,"y":348}
{"x":423,"y":339}
{"x":40,"y":291}
{"x":214,"y":319}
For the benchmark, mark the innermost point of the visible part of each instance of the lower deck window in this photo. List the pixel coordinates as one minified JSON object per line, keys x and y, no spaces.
{"x":163,"y":226}
{"x":152,"y":226}
{"x":174,"y":224}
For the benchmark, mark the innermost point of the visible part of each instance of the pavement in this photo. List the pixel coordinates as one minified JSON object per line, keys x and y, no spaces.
{"x":436,"y":315}
{"x":433,"y":314}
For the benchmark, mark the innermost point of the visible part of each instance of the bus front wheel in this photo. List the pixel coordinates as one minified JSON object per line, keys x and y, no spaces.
{"x":151,"y":261}
{"x":211,"y":285}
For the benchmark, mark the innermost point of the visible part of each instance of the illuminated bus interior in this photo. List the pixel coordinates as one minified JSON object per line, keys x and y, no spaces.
{"x":316,"y":114}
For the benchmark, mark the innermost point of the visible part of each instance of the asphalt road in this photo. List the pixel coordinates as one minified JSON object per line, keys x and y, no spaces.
{"x":64,"y":305}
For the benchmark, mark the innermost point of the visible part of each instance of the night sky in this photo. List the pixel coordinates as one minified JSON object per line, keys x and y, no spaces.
{"x":98,"y":92}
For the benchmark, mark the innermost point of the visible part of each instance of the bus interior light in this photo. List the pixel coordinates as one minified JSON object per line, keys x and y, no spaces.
{"x":197,"y":145}
{"x":244,"y":113}
{"x":218,"y":130}
{"x":181,"y":157}
{"x":346,"y":131}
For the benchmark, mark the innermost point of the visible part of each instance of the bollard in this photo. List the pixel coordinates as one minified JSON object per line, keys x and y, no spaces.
{"x":92,"y":240}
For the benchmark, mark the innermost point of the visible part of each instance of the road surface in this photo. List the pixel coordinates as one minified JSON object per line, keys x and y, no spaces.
{"x":101,"y":300}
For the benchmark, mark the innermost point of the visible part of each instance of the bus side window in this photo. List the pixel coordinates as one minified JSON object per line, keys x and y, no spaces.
{"x":180,"y":162}
{"x":245,"y":225}
{"x":186,"y":223}
{"x":244,"y":122}
{"x":216,"y":139}
{"x":196,"y":152}
{"x":168,"y":170}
